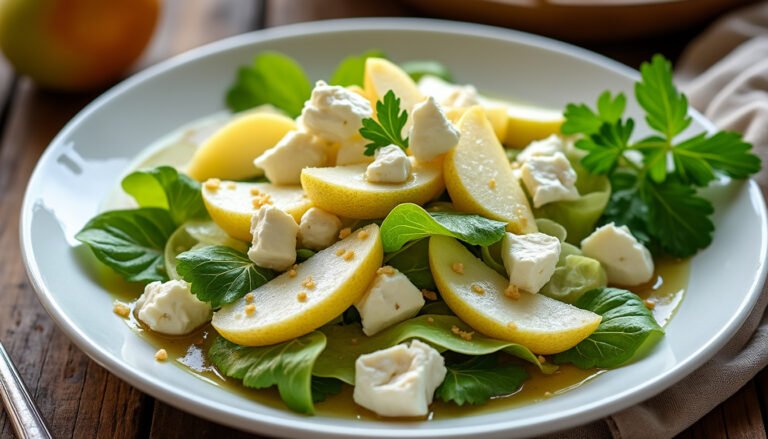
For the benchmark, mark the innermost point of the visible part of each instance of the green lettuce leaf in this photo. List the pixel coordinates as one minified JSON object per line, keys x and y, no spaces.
{"x":131,"y":242}
{"x":166,"y":188}
{"x":574,"y":276}
{"x":413,"y":262}
{"x":193,"y":235}
{"x":408,"y":222}
{"x":627,"y":330}
{"x":220,"y":275}
{"x":479,"y":379}
{"x":346,"y":343}
{"x":322,"y":388}
{"x":287,"y":365}
{"x":351,"y":69}
{"x":418,"y":69}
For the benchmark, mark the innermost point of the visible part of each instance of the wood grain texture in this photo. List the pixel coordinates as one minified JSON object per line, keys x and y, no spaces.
{"x":280,"y":12}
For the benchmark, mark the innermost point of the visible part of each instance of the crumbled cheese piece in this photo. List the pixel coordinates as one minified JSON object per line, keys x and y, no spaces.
{"x":161,"y":355}
{"x":282,"y":164}
{"x":400,"y":380}
{"x":541,"y":148}
{"x":318,"y":229}
{"x":334,"y":113}
{"x":390,"y":299}
{"x":530,"y":259}
{"x":352,"y":151}
{"x":626,"y":261}
{"x":432,"y":134}
{"x":391,"y":165}
{"x":549,"y":178}
{"x":170,"y":308}
{"x":274,"y":238}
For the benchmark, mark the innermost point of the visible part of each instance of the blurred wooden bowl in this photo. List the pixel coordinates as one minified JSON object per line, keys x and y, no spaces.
{"x":583,"y":20}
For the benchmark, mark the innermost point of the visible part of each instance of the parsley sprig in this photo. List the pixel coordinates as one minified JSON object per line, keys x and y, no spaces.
{"x":388,"y":129}
{"x":655,"y":191}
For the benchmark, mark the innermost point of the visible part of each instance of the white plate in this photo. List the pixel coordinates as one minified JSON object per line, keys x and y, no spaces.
{"x":84,"y":161}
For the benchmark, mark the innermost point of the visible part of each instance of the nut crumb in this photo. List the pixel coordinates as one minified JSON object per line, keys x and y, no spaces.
{"x":354,"y":341}
{"x":250,"y":309}
{"x":514,"y":165}
{"x":512,"y":292}
{"x":386,"y":270}
{"x":249,"y":298}
{"x":292,"y":272}
{"x":429,"y":295}
{"x":349,"y":255}
{"x":161,"y":355}
{"x":121,"y":309}
{"x":511,"y":325}
{"x":541,"y":359}
{"x":477,"y":289}
{"x":362,"y":234}
{"x":302,"y":296}
{"x":430,"y":320}
{"x":492,"y":183}
{"x":547,"y":394}
{"x":212,"y":184}
{"x":261,"y":200}
{"x":308,"y":283}
{"x":466,"y":335}
{"x":255,"y":191}
{"x":649,"y":304}
{"x":346,"y":231}
{"x":231,"y":185}
{"x":340,"y":252}
{"x":457,"y":267}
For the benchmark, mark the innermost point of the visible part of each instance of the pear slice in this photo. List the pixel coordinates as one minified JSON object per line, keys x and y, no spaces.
{"x":382,"y":76}
{"x":479,"y":179}
{"x":230,"y":151}
{"x":343,"y":190}
{"x":231,"y":204}
{"x":526,"y":123}
{"x":475,"y":292}
{"x":286,"y":307}
{"x":496,"y":114}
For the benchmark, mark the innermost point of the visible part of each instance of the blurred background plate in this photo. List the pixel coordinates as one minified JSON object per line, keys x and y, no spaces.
{"x":583,"y":20}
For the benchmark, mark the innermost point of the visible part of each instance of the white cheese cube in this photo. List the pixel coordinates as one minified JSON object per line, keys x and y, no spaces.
{"x":352,"y":151}
{"x":432,"y":134}
{"x":530,"y":259}
{"x":626,"y":261}
{"x":274,"y":238}
{"x":391,"y":298}
{"x":170,"y":308}
{"x":399,"y":381}
{"x":334,"y":113}
{"x":390,"y":165}
{"x":282,"y":164}
{"x":549,"y":179}
{"x":546,"y":147}
{"x":318,"y":229}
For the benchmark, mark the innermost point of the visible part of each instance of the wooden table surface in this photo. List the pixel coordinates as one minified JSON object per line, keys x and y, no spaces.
{"x":81,"y":399}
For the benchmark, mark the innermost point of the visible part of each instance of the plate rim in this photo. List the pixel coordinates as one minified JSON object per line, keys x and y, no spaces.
{"x":265,"y":423}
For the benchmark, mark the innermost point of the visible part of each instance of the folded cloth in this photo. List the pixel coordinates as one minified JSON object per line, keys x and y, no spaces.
{"x":724,"y":72}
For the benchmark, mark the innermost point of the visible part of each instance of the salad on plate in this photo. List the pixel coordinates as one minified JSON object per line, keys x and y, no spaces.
{"x":396,"y":242}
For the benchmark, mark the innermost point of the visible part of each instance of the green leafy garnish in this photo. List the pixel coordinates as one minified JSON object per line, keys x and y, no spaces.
{"x":408,"y":222}
{"x":479,"y":379}
{"x":351,"y":69}
{"x":220,"y":275}
{"x":413,"y":261}
{"x":272,"y":78}
{"x":131,"y":242}
{"x":166,"y":188}
{"x":659,"y":204}
{"x":287,"y":365}
{"x":627,"y":330}
{"x":322,"y":388}
{"x":388,"y":129}
{"x":418,"y":69}
{"x":338,"y":358}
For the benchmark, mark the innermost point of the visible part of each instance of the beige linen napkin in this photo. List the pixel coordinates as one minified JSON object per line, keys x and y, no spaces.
{"x":725,"y":75}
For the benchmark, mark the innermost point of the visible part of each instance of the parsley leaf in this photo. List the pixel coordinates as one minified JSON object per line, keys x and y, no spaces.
{"x":581,"y":119}
{"x":697,"y":158}
{"x":272,"y":78}
{"x":479,"y":379}
{"x":220,"y":275}
{"x":678,"y":218}
{"x":388,"y":130}
{"x":626,"y":207}
{"x":606,"y":146}
{"x":665,"y":107}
